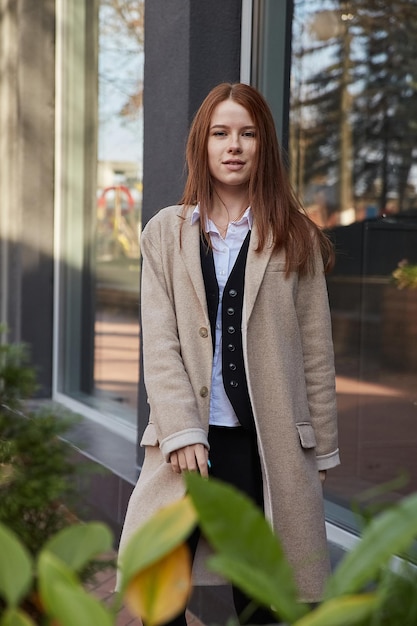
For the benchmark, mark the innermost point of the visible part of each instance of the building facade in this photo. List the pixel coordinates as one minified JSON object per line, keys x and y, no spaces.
{"x":96,"y":98}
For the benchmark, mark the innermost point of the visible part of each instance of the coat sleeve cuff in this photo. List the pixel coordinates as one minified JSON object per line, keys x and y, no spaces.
{"x":188,"y":437}
{"x":327,"y":461}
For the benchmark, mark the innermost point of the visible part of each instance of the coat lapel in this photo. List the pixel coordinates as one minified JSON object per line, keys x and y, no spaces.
{"x":256,"y":264}
{"x":190,"y":253}
{"x":255,"y":268}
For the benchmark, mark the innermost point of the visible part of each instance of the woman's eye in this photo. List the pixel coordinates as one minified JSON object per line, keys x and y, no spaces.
{"x":219,"y":133}
{"x":249,"y":133}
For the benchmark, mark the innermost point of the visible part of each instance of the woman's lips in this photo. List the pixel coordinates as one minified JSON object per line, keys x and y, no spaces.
{"x":234,"y":164}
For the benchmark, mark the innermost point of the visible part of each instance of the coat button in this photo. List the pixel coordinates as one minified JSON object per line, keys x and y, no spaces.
{"x":203,"y":332}
{"x":230,"y":311}
{"x":234,"y":383}
{"x":232,"y":293}
{"x":231,"y":330}
{"x":204,"y":392}
{"x":232,"y":366}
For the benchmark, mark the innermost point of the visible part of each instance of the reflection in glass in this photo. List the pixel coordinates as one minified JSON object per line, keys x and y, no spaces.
{"x":353,"y":155}
{"x":119,"y":201}
{"x":353,"y":132}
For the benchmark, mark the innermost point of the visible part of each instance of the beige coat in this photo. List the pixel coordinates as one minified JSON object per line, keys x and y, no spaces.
{"x":289,"y":365}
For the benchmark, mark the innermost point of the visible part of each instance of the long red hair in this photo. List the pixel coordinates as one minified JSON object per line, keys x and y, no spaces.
{"x":276,"y":208}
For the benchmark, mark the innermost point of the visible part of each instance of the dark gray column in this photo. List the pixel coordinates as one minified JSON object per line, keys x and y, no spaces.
{"x":190,"y":46}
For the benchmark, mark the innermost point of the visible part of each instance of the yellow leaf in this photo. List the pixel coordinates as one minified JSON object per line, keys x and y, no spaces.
{"x":160,"y":592}
{"x":165,"y":530}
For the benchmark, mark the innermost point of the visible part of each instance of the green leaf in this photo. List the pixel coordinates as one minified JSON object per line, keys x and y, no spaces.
{"x":168,"y":528}
{"x":77,"y":544}
{"x":252,"y":557}
{"x":53,"y":571}
{"x":72,"y":606}
{"x":15,"y":567}
{"x":16,"y":617}
{"x":346,"y":611}
{"x":388,"y":534}
{"x":257,"y":585}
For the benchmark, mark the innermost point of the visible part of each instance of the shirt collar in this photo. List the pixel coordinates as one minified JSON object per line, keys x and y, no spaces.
{"x":195,"y":216}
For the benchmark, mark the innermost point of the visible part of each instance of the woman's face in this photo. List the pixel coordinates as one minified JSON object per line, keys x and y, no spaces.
{"x":232,"y":145}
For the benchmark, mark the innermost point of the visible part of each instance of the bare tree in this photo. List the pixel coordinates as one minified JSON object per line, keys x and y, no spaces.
{"x":122,"y":25}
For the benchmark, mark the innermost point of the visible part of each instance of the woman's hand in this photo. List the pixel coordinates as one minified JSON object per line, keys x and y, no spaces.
{"x":190,"y":459}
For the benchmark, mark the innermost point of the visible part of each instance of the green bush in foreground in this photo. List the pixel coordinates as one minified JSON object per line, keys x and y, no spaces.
{"x":155,"y":572}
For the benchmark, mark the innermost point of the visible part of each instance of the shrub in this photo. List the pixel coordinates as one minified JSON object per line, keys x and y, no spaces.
{"x":36,"y":475}
{"x":36,"y":472}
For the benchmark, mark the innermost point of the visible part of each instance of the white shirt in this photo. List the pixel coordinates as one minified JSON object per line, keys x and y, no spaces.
{"x":225,"y":253}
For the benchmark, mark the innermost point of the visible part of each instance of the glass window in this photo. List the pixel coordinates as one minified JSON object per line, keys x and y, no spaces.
{"x":99,"y":197}
{"x":353,"y":160}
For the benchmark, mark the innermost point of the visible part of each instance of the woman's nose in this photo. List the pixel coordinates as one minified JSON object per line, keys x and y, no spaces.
{"x":235,"y":145}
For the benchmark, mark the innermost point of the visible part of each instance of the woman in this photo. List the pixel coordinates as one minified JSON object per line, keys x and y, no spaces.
{"x":238,"y":356}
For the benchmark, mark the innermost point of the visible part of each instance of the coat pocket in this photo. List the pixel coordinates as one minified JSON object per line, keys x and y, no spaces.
{"x":306,"y":434}
{"x":149,"y":437}
{"x":275,"y":266}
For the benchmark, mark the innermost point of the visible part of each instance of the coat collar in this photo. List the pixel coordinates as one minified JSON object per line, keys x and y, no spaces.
{"x":255,"y":265}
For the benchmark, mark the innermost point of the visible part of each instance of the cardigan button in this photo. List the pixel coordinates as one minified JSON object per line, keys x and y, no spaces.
{"x":203,"y":332}
{"x":231,"y":330}
{"x":234,"y":383}
{"x":232,"y":366}
{"x":230,"y":311}
{"x":231,"y":347}
{"x":204,"y":392}
{"x":232,"y":293}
